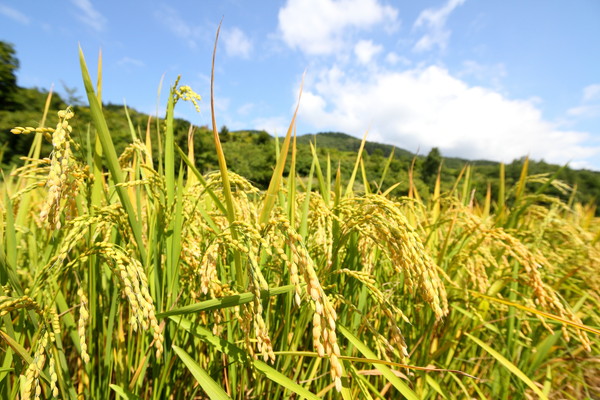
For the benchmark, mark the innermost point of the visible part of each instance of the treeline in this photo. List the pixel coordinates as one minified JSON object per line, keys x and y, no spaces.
{"x":252,"y":153}
{"x":483,"y":173}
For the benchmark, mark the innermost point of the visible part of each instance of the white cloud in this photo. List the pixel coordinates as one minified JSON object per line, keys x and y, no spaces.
{"x":423,"y":108}
{"x":320,"y":27}
{"x":237,"y":43}
{"x":433,"y":20}
{"x":365,"y":50}
{"x":89,"y":15}
{"x":13,"y":14}
{"x":591,"y":92}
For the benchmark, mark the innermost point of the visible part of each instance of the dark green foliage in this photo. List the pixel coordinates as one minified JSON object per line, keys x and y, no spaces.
{"x":8,"y":80}
{"x":224,"y":134}
{"x":345,"y":142}
{"x":431,"y":165}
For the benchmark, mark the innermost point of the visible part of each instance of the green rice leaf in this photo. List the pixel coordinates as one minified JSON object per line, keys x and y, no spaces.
{"x":212,"y":388}
{"x":387,"y":372}
{"x":124,"y":393}
{"x":224,"y":302}
{"x":110,"y":155}
{"x":236,"y":353}
{"x":510,"y":366}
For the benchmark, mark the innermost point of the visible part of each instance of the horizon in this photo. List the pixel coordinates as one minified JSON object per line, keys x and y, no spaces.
{"x":478,"y":81}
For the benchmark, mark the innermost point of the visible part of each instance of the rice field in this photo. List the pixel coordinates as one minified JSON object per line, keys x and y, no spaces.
{"x":136,"y":277}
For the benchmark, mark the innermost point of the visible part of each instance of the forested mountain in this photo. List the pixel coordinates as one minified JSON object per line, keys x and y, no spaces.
{"x":483,"y":172}
{"x":251,"y":153}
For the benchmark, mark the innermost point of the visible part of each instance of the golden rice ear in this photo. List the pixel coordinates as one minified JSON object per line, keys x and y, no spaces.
{"x":65,"y":173}
{"x":379,"y":218}
{"x":81,"y":326}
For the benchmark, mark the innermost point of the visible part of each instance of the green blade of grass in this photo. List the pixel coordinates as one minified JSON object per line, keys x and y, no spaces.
{"x":110,"y":155}
{"x":364,"y":176}
{"x":306,"y":205}
{"x":129,"y":123}
{"x":540,"y":313}
{"x":10,"y":234}
{"x":98,"y":185}
{"x":435,"y":386}
{"x":124,"y":393}
{"x":385,"y":169}
{"x":501,"y":191}
{"x":203,"y":182}
{"x":323,"y":187}
{"x":170,"y":150}
{"x":509,"y":365}
{"x":543,"y":351}
{"x":212,"y":388}
{"x":224,"y":302}
{"x":20,"y":350}
{"x":374,"y":361}
{"x":236,"y":353}
{"x":274,"y":184}
{"x":240,"y":277}
{"x":291,"y":183}
{"x":356,"y":165}
{"x":388,"y":373}
{"x":8,"y":271}
{"x":219,"y":148}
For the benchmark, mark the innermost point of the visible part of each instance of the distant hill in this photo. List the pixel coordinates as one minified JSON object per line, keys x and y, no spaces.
{"x":586,"y":182}
{"x":344,"y":142}
{"x":251,"y":153}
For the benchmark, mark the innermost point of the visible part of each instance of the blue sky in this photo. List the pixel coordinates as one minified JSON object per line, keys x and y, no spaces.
{"x":478,"y":79}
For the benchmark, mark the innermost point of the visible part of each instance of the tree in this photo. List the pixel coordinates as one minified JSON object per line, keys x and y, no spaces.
{"x":8,"y":80}
{"x":224,"y":134}
{"x":262,"y":138}
{"x":73,"y":99}
{"x":431,"y":165}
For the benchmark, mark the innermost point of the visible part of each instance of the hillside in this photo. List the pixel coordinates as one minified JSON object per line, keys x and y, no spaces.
{"x":587,"y":182}
{"x":251,"y":153}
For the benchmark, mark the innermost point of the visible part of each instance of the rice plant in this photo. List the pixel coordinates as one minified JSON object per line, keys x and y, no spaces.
{"x":127,"y":276}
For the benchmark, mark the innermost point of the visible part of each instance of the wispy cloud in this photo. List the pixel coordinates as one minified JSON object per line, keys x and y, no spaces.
{"x":589,"y":106}
{"x":484,"y":74}
{"x":433,"y":21}
{"x":171,"y":19}
{"x":322,"y":27}
{"x":89,"y":15}
{"x":130,"y":62}
{"x":246,"y":109}
{"x":586,"y":110}
{"x":14,"y":14}
{"x":237,"y":44}
{"x":591,"y":92}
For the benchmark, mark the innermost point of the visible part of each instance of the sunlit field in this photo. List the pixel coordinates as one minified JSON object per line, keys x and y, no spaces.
{"x":136,"y":276}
